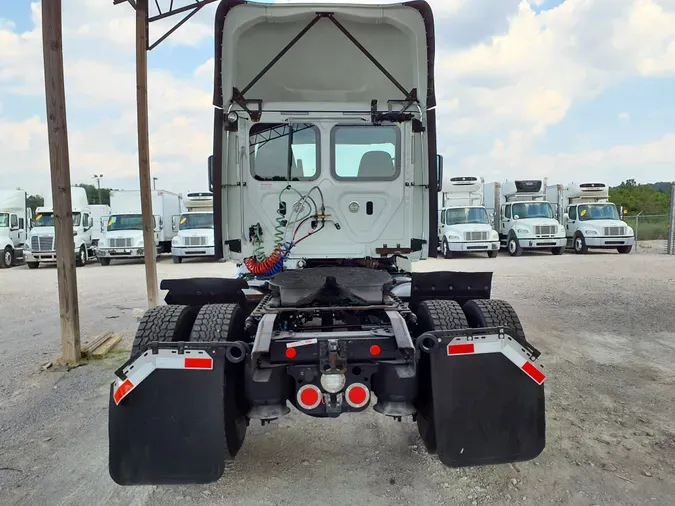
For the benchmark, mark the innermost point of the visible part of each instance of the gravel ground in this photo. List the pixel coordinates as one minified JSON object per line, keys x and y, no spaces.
{"x":604,"y":323}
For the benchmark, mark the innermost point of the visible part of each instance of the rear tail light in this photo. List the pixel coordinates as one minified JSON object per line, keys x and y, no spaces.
{"x":309,"y":397}
{"x":357,"y":395}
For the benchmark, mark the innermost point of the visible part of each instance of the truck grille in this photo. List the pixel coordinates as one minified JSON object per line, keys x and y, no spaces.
{"x":121,"y":242}
{"x":545,"y":229}
{"x":195,"y":241}
{"x":42,"y":243}
{"x":475,"y":236}
{"x":613,"y":231}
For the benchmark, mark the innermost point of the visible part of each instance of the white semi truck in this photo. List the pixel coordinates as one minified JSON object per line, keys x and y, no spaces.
{"x":523,"y":217}
{"x":589,"y":218}
{"x":194,"y":228}
{"x":123,"y":236}
{"x":41,"y":244}
{"x":325,"y":190}
{"x":15,"y":223}
{"x":464,"y":224}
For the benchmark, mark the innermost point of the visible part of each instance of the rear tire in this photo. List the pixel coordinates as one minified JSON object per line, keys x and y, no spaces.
{"x":163,"y":324}
{"x":494,"y":313}
{"x":219,"y":323}
{"x":7,"y":259}
{"x":625,"y":249}
{"x":33,"y":265}
{"x":434,"y":315}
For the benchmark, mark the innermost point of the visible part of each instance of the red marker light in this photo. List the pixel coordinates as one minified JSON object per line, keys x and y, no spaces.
{"x":375,"y":350}
{"x":291,"y":353}
{"x":358,"y":395}
{"x":309,"y":397}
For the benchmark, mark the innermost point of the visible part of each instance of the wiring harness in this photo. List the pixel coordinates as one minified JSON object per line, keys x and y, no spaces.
{"x":262,"y":265}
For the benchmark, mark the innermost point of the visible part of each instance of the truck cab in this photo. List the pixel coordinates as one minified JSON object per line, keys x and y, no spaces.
{"x":525,"y":218}
{"x":123,"y":237}
{"x":590,"y":219}
{"x":15,"y":221}
{"x":41,"y":246}
{"x":194,"y":228}
{"x":464,"y":223}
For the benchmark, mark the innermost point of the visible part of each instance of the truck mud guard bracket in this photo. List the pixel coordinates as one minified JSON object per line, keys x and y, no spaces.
{"x":200,"y":291}
{"x":487,"y":396}
{"x":449,"y":285}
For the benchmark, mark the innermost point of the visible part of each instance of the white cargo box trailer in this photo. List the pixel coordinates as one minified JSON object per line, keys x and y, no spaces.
{"x":15,"y":218}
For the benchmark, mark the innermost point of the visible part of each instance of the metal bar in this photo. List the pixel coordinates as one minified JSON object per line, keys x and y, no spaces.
{"x":174,"y":28}
{"x":149,"y":247}
{"x":178,"y":10}
{"x":368,"y":55}
{"x":159,"y":9}
{"x":282,"y":53}
{"x":59,"y":163}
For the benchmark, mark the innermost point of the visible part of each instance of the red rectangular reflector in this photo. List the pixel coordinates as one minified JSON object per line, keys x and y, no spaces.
{"x":199,"y":363}
{"x":122,"y":390}
{"x":460,"y":349}
{"x":534,"y":373}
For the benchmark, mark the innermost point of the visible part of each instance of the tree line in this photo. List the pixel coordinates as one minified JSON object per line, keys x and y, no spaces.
{"x":651,"y":199}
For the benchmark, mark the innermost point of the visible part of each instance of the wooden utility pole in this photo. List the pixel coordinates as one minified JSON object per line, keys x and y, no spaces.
{"x":144,"y":150}
{"x":60,"y":175}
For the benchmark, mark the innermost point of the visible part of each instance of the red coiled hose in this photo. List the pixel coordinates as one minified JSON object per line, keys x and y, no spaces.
{"x":260,"y":268}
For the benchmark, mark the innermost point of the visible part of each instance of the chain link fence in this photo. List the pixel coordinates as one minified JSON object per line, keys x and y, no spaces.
{"x":654,"y":233}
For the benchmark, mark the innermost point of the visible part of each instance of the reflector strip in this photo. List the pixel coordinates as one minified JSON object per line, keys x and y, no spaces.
{"x":460,"y":349}
{"x":508,"y":347}
{"x":199,"y":363}
{"x":305,"y":342}
{"x":122,"y":390}
{"x":146,"y":364}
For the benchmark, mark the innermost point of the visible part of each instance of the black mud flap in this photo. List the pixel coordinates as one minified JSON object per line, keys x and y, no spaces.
{"x":169,"y":429}
{"x":487,"y":408}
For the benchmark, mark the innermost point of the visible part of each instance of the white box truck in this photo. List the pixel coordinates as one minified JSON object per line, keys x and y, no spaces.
{"x":523,"y":217}
{"x":589,"y":218}
{"x":15,"y":222}
{"x":194,"y":228}
{"x":41,"y":245}
{"x":463,"y":222}
{"x":123,"y":235}
{"x":100,"y":214}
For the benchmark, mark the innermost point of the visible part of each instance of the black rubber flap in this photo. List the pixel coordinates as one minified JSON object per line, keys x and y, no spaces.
{"x":486,"y":410}
{"x":169,"y":429}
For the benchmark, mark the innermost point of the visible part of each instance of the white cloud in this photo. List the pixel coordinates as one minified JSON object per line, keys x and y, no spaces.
{"x":511,"y":87}
{"x":623,"y":116}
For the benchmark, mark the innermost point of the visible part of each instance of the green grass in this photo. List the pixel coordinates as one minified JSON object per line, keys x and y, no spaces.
{"x":649,"y":228}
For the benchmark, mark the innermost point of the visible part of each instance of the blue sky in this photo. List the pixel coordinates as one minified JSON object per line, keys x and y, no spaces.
{"x":527,"y":88}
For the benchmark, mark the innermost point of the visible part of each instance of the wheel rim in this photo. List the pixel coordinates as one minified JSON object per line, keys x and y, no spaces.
{"x":577,"y":244}
{"x":445,"y":247}
{"x":83,"y":256}
{"x":8,"y":258}
{"x":512,"y":246}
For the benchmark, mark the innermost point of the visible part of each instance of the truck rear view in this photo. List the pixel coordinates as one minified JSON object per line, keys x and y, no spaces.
{"x":325,"y":190}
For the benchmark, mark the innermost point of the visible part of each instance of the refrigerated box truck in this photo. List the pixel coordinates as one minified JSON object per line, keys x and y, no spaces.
{"x":123,"y":230}
{"x":15,"y":219}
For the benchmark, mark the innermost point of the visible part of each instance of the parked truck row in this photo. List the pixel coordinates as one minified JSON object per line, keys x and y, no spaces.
{"x":528,"y":214}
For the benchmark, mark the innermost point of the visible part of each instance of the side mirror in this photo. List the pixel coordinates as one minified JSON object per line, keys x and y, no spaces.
{"x":90,"y":222}
{"x":439,"y":172}
{"x":516,"y":217}
{"x":566,"y":216}
{"x":104,"y":220}
{"x":174,"y":223}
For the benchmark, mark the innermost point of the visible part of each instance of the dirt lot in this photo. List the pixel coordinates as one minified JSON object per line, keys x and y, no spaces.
{"x":604,"y":323}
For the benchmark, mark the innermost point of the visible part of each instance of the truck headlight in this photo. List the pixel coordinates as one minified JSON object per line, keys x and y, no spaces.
{"x":523,"y":231}
{"x":26,"y":246}
{"x":175,"y":241}
{"x":630,"y":231}
{"x":495,"y":235}
{"x":452,"y":237}
{"x":590,"y":231}
{"x":561,"y":230}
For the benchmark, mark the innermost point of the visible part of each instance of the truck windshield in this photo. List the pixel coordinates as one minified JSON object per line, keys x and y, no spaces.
{"x":523,"y":210}
{"x":598,"y":212}
{"x":126,"y":222}
{"x":466,"y":215}
{"x":4,"y":220}
{"x":44,"y":220}
{"x":192,"y":221}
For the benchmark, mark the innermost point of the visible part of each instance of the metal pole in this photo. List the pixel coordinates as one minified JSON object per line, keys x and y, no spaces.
{"x":59,"y":162}
{"x":98,"y":180}
{"x":149,"y":247}
{"x":637,"y":227}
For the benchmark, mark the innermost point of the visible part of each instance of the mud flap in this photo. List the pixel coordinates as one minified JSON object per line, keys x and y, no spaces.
{"x":168,"y":427}
{"x":487,"y":397}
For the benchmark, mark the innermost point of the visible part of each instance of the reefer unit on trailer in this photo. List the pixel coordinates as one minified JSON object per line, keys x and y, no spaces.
{"x":41,"y":246}
{"x":325,"y":175}
{"x":523,"y":217}
{"x":464,"y":223}
{"x":194,"y":227}
{"x":589,"y":218}
{"x":123,"y":236}
{"x":15,"y":222}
